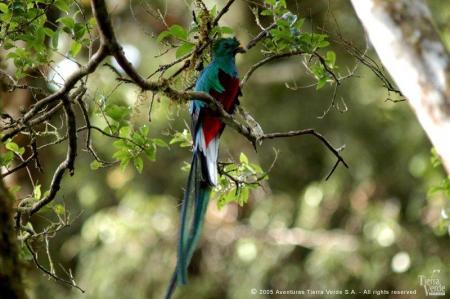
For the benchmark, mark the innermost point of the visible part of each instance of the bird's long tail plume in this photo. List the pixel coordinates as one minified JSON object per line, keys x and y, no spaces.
{"x":193,"y":209}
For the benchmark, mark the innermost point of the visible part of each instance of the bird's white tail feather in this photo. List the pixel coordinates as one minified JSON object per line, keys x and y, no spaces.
{"x":210,"y":152}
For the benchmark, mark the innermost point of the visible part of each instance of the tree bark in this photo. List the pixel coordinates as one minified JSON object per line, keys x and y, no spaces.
{"x":404,"y":37}
{"x":11,"y":284}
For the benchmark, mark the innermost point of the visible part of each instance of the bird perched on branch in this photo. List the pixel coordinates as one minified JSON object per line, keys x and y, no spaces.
{"x":220,"y":80}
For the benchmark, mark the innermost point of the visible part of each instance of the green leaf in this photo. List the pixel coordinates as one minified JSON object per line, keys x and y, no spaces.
{"x":226,"y":198}
{"x":318,"y":70}
{"x":59,"y":209}
{"x":92,"y":22}
{"x":37,"y":192}
{"x":48,"y":32}
{"x":117,"y":113}
{"x":178,"y":32}
{"x":67,"y":21}
{"x":267,"y":12}
{"x":138,"y":138}
{"x":243,"y":196}
{"x":321,"y":82}
{"x":257,"y":168}
{"x":120,"y":144}
{"x":183,"y":138}
{"x":79,"y":30}
{"x":226,"y":30}
{"x":323,"y":44}
{"x":6,"y":158}
{"x":62,"y":5}
{"x":223,"y":30}
{"x":55,"y":39}
{"x":330,"y":58}
{"x":150,"y":152}
{"x":435,"y":159}
{"x":144,"y":130}
{"x":96,"y":165}
{"x":299,"y":23}
{"x":243,"y":158}
{"x":124,"y":157}
{"x":12,"y":146}
{"x":75,"y":49}
{"x":184,"y":49}
{"x":4,"y":8}
{"x":160,"y":142}
{"x":163,"y":35}
{"x":124,"y":132}
{"x":138,"y":164}
{"x":213,"y":11}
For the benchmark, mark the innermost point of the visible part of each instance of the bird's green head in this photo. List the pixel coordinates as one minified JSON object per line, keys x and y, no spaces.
{"x":227,"y":47}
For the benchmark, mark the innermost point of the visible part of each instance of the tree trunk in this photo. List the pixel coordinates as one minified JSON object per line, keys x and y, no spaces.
{"x":404,"y":37}
{"x":11,"y":285}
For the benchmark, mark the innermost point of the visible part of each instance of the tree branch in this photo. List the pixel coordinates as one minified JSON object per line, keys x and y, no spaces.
{"x":27,"y":119}
{"x":267,"y":60}
{"x":336,"y":152}
{"x":20,"y":166}
{"x":406,"y":42}
{"x":223,"y":11}
{"x":260,"y":36}
{"x":67,"y":164}
{"x":50,"y":273}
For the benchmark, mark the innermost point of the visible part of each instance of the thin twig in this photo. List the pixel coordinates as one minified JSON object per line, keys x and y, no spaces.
{"x":223,"y":11}
{"x":43,"y":269}
{"x":317,"y":135}
{"x":20,"y":166}
{"x":67,"y":164}
{"x":260,"y":36}
{"x":267,"y":60}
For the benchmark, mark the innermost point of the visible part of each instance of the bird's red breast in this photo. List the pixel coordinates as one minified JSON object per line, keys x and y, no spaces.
{"x":212,"y":125}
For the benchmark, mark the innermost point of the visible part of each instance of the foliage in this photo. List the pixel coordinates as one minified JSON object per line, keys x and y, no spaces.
{"x":12,"y":149}
{"x":442,"y":188}
{"x":236,"y":181}
{"x":29,"y":40}
{"x":131,"y":144}
{"x":295,"y":231}
{"x":289,"y":36}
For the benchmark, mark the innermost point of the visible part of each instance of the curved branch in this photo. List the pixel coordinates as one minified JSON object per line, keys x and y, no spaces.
{"x":336,"y":152}
{"x":20,"y":166}
{"x":92,"y":65}
{"x":223,"y":11}
{"x":267,"y":60}
{"x":34,"y":256}
{"x":327,"y":68}
{"x":260,"y":36}
{"x":67,"y":164}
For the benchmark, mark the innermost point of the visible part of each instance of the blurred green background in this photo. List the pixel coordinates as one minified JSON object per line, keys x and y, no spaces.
{"x":372,"y":226}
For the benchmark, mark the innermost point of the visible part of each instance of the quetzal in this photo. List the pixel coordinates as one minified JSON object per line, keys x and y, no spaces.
{"x":219,"y":79}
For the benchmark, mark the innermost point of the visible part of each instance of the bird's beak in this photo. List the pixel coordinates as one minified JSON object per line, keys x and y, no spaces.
{"x":239,"y":49}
